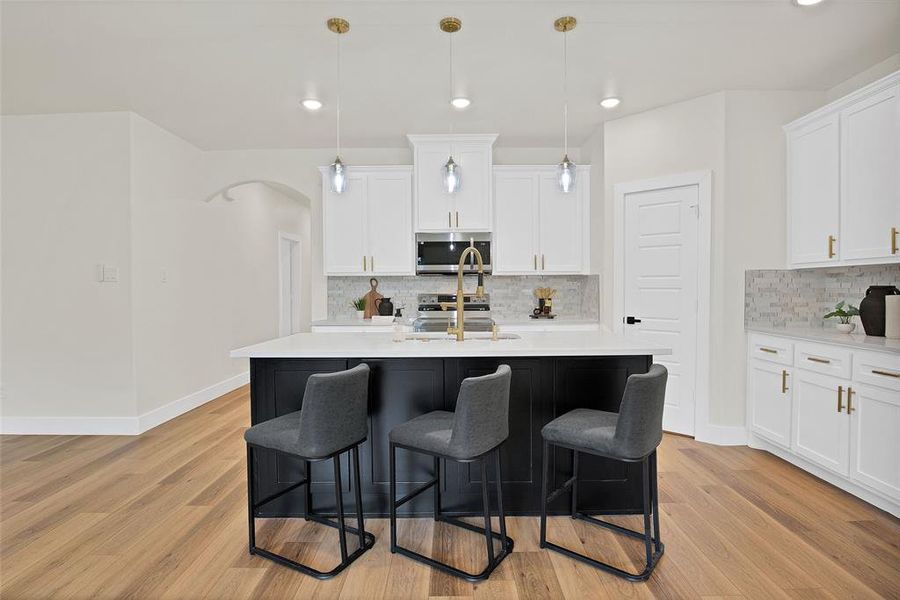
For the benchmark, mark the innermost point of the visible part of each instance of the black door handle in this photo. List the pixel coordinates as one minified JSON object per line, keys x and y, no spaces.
{"x":632,"y":320}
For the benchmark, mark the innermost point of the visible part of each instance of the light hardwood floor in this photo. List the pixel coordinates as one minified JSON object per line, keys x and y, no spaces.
{"x":163,"y":515}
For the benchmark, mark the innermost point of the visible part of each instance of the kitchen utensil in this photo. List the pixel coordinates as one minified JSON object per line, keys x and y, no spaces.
{"x":371,"y":298}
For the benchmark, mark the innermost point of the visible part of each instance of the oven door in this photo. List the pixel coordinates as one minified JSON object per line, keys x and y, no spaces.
{"x":438,"y":253}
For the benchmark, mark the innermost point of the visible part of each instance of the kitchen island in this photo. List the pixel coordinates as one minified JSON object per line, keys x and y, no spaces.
{"x":553,"y":373}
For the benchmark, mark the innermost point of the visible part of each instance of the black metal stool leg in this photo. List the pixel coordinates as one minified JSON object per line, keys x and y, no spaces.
{"x":502,"y":515}
{"x":308,"y":507}
{"x":437,"y":489}
{"x":648,"y":533}
{"x":574,"y":482}
{"x":339,"y":499}
{"x":393,"y":477}
{"x":487,"y":511}
{"x":251,"y":499}
{"x":545,"y":477}
{"x":360,"y":521}
{"x":654,"y":488}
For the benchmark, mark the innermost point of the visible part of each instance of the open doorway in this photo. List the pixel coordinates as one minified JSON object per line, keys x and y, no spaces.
{"x":289,"y":277}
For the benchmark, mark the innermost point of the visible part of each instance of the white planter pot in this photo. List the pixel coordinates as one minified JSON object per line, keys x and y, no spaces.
{"x":846,"y":327}
{"x":360,"y":314}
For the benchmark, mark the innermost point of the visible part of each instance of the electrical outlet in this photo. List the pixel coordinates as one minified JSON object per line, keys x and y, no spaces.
{"x":107,"y":274}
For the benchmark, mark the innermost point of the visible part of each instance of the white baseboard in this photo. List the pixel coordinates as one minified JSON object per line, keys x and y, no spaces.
{"x":120,"y":425}
{"x":158,"y":416}
{"x":723,"y":435}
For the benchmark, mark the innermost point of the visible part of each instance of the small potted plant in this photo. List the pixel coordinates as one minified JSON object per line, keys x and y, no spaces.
{"x":360,"y":306}
{"x":844,"y":312}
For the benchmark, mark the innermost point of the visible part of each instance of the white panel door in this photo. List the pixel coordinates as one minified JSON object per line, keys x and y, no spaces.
{"x":434,"y":206}
{"x":770,"y":401}
{"x":660,"y":279}
{"x":472,"y":203}
{"x":345,"y":230}
{"x":514,"y":241}
{"x":820,"y":420}
{"x":813,"y":192}
{"x":561,"y":226}
{"x":870,"y":176}
{"x":875,"y":439}
{"x":389,"y":222}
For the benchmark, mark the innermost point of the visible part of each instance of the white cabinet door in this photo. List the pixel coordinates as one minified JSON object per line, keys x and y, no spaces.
{"x":472,"y":203}
{"x":562,"y":219}
{"x":389,"y":222}
{"x":770,"y":401}
{"x":820,"y":420}
{"x":875,"y":438}
{"x":344,"y":234}
{"x":813,"y":192}
{"x":514,"y":241}
{"x":870,"y":176}
{"x":434,"y":206}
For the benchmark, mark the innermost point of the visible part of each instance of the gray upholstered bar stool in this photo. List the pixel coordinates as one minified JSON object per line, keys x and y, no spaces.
{"x":331,"y":421}
{"x":631,"y":435}
{"x":474,"y":432}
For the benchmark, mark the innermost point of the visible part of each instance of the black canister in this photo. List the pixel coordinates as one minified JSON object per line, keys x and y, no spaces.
{"x":871,"y":309}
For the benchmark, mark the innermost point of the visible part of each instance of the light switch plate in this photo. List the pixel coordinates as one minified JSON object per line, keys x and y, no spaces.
{"x":107,"y":274}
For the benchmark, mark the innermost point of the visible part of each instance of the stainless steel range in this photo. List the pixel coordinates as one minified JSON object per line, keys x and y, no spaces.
{"x":437,"y":312}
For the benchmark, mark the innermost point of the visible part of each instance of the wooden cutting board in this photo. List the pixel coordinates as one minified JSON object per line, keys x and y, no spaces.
{"x":371,"y":299}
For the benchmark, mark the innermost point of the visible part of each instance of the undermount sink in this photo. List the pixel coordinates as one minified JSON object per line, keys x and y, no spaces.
{"x":470,"y":337}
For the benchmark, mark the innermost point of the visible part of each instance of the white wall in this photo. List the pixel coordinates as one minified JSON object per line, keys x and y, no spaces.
{"x":67,"y":345}
{"x":737,"y":136}
{"x":82,"y":189}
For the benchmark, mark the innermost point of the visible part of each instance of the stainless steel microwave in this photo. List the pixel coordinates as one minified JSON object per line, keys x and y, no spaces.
{"x":438,"y":253}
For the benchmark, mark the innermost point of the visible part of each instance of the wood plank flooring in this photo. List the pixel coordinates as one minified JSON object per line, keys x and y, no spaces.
{"x":163,"y":515}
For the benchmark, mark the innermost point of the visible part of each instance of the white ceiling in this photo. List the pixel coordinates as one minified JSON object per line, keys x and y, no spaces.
{"x":227,"y":75}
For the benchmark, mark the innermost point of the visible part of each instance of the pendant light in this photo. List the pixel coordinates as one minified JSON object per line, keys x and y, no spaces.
{"x":337,"y":172}
{"x":565,"y":172}
{"x":450,"y":174}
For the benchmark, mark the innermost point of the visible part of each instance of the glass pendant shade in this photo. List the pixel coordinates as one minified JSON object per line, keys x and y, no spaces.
{"x":451,"y":177}
{"x":565,"y":173}
{"x":337,"y":175}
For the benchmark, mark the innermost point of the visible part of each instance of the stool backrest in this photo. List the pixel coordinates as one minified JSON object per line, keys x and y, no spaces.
{"x":639,"y":427}
{"x":481,"y":420}
{"x":334,"y":410}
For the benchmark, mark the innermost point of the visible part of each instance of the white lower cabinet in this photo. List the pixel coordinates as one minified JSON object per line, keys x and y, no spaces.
{"x":831,"y":409}
{"x":821,"y":431}
{"x":875,"y":438}
{"x":770,"y":390}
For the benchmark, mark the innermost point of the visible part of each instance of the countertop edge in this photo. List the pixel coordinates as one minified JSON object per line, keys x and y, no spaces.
{"x":849,"y":340}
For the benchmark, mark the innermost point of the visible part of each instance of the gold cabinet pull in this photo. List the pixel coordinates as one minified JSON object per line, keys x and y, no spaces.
{"x":543,"y":266}
{"x":893,"y":240}
{"x":457,"y":218}
{"x":769,"y":350}
{"x":784,"y":376}
{"x":535,"y":262}
{"x":830,"y":246}
{"x":364,"y":263}
{"x":449,"y":219}
{"x":885,"y":373}
{"x":814,"y":359}
{"x":372,"y":263}
{"x":840,"y":398}
{"x":850,"y":408}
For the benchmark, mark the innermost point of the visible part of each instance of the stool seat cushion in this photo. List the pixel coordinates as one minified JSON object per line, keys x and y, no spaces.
{"x":585,"y":428}
{"x":280,"y":433}
{"x":430,"y":432}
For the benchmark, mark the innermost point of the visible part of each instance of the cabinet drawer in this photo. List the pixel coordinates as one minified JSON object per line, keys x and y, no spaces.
{"x":819,"y":358}
{"x":875,"y":368}
{"x":772,"y":349}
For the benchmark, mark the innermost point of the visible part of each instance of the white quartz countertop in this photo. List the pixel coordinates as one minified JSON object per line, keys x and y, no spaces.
{"x":381,"y":345}
{"x":832,"y":336}
{"x":509,"y":325}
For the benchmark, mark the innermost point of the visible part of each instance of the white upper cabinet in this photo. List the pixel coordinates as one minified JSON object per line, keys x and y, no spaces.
{"x":843,"y":180}
{"x":368,"y":228}
{"x":870,"y":176}
{"x":537,"y":228}
{"x":468,"y":209}
{"x":813,"y":158}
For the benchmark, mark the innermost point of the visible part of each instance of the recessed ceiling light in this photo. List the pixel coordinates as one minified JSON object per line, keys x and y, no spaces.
{"x":460,"y":102}
{"x":311,"y":104}
{"x":806,"y":2}
{"x":610,"y":102}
